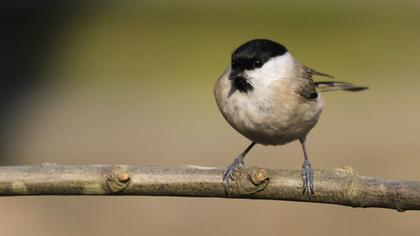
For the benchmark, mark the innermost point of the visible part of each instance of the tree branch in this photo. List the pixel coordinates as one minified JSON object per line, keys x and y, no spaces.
{"x":341,"y":186}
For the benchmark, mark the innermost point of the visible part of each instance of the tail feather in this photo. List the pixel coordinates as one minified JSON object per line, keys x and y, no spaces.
{"x":327,"y":86}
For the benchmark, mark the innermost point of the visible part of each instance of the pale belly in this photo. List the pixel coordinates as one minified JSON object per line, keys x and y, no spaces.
{"x":268,"y":119}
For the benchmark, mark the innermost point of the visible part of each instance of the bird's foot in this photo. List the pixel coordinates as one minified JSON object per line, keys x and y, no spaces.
{"x":307,"y":177}
{"x":231,"y":169}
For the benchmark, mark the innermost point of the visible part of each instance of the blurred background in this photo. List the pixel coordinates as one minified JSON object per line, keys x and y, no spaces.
{"x":130,"y":82}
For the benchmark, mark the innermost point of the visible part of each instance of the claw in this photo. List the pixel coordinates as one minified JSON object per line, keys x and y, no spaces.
{"x":231,"y":170}
{"x":307,"y":177}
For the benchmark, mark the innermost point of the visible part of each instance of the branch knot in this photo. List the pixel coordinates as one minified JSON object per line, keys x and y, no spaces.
{"x":250,"y":181}
{"x":118,"y":179}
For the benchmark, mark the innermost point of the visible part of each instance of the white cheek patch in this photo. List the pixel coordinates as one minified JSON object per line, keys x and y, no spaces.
{"x":274,"y":69}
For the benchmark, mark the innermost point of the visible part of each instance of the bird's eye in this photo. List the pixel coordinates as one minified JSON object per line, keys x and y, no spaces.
{"x":257,"y":63}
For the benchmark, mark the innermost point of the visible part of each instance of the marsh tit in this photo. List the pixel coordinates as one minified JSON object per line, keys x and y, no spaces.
{"x":271,"y":99}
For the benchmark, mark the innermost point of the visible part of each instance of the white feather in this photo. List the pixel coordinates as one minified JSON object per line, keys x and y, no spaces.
{"x":276,"y":68}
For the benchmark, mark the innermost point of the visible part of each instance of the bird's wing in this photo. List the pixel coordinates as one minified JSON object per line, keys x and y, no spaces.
{"x":306,"y":86}
{"x":311,"y":72}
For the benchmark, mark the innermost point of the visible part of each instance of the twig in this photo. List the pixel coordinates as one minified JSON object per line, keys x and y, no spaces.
{"x":341,"y":186}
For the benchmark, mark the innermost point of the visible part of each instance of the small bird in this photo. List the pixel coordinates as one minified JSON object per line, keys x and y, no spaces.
{"x":271,"y":99}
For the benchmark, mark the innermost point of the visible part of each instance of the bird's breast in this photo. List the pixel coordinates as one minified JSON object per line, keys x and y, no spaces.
{"x":270,"y":117}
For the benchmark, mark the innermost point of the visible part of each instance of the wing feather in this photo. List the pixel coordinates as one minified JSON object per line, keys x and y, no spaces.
{"x":307,"y":87}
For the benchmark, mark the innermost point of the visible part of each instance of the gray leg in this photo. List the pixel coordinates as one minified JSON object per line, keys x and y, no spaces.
{"x":307,"y":173}
{"x":237,"y":163}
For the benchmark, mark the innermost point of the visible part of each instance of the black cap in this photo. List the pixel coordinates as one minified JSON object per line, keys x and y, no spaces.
{"x":254,"y":53}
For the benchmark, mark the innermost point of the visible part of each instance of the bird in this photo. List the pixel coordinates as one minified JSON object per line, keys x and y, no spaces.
{"x":269,"y":97}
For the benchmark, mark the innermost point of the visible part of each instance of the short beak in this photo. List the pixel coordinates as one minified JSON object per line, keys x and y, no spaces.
{"x":236,"y":75}
{"x":239,"y":81}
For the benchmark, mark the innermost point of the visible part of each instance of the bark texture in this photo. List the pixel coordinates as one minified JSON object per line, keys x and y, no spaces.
{"x":341,"y":186}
